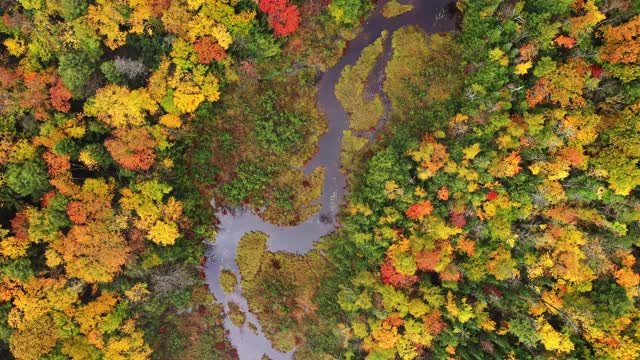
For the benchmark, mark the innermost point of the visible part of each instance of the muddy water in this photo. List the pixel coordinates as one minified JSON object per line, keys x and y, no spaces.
{"x":433,"y":16}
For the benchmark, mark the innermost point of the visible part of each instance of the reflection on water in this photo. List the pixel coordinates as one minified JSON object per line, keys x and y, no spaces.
{"x":433,"y":16}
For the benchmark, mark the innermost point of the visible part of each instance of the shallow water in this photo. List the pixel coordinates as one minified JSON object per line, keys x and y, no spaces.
{"x":433,"y":16}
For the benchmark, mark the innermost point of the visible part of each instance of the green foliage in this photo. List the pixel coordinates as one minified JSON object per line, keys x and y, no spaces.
{"x":275,"y":129}
{"x":250,"y":179}
{"x":73,"y":9}
{"x":27,"y":178}
{"x":112,"y":74}
{"x":346,"y":11}
{"x":75,"y":69}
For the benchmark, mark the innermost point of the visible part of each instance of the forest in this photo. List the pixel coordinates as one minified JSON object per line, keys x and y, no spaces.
{"x":490,"y":151}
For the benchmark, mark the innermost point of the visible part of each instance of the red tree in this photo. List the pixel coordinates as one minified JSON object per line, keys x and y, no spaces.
{"x":389,"y":275}
{"x":60,"y":97}
{"x":283,"y":18}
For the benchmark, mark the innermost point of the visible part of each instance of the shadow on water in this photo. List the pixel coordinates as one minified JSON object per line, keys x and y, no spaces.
{"x":433,"y":16}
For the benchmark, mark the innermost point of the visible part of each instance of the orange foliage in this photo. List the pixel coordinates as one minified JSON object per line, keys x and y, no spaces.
{"x":433,"y":322}
{"x":419,"y":210}
{"x":60,"y":97}
{"x":528,"y":52}
{"x":57,"y":164}
{"x":208,"y":50}
{"x":538,"y":93}
{"x":451,"y":273}
{"x":132,"y":148}
{"x":443,"y":193}
{"x":565,"y":41}
{"x":572,"y":156}
{"x":621,"y":43}
{"x":427,"y":260}
{"x":94,"y":252}
{"x":467,"y":246}
{"x":76,"y":212}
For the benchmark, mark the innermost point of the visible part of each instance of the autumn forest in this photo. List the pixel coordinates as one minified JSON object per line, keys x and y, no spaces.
{"x":319,"y":179}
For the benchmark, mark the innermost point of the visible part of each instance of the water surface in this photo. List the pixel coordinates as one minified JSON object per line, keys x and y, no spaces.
{"x":433,"y":16}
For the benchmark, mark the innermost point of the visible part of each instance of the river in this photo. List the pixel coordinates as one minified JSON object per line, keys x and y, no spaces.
{"x":433,"y":16}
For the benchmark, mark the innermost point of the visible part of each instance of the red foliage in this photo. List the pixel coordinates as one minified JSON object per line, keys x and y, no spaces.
{"x":389,"y":275}
{"x":492,"y":195}
{"x":60,"y":97}
{"x":7,"y":77}
{"x":492,"y":290}
{"x":283,"y":18}
{"x":20,"y":225}
{"x":419,"y":210}
{"x":208,"y":50}
{"x":457,"y":219}
{"x":596,"y":71}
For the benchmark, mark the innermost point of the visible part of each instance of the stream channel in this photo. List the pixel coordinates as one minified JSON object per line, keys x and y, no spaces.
{"x":433,"y":16}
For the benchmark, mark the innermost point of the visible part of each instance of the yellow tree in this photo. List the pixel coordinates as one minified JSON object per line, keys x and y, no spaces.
{"x":120,"y":107}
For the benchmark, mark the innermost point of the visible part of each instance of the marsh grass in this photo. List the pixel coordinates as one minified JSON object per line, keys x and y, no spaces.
{"x":393,"y":8}
{"x":228,"y":281}
{"x":351,"y":146}
{"x":422,"y":71}
{"x":350,"y":89}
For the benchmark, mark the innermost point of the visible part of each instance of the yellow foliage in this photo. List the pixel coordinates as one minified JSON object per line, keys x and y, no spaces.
{"x":163,"y":233}
{"x":523,"y":68}
{"x":386,"y":335}
{"x":471,"y":151}
{"x":120,"y":107}
{"x":171,"y":121}
{"x":552,"y":339}
{"x":15,"y":47}
{"x":88,"y":160}
{"x":502,"y":265}
{"x":462,"y":313}
{"x":137,"y":293}
{"x":107,"y":19}
{"x":13,"y":248}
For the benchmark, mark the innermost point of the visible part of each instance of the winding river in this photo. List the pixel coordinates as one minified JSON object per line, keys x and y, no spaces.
{"x":433,"y":16}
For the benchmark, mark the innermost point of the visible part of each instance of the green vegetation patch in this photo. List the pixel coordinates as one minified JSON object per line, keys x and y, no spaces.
{"x":236,"y":315}
{"x":193,"y":335}
{"x":281,"y":295}
{"x":228,"y":281}
{"x":251,"y":249}
{"x":290,"y":202}
{"x":351,"y":147}
{"x":393,"y":8}
{"x":350,"y":89}
{"x":423,"y":70}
